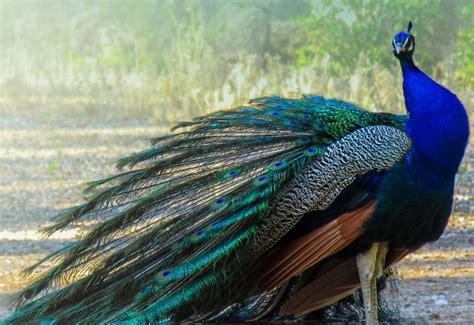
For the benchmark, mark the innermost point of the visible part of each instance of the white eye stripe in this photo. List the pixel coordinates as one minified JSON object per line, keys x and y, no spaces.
{"x":405,"y":43}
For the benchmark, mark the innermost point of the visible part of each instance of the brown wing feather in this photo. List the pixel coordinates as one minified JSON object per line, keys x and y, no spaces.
{"x":337,"y":279}
{"x":285,"y":262}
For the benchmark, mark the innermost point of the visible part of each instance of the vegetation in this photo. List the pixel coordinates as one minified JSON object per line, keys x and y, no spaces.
{"x":170,"y":60}
{"x":367,"y":25}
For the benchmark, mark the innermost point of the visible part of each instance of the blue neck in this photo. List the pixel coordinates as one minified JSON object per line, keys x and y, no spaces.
{"x":438,"y":126}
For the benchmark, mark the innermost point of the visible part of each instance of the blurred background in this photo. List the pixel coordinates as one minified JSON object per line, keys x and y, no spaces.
{"x":85,"y":82}
{"x":173,"y":60}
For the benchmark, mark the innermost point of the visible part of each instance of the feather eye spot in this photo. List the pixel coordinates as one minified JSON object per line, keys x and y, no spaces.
{"x":214,"y":225}
{"x":290,"y":123}
{"x":304,"y":140}
{"x":220,"y":203}
{"x":237,"y":200}
{"x":277,"y":165}
{"x":260,"y":180}
{"x":318,"y":126}
{"x":275,"y":113}
{"x":231,"y":173}
{"x":306,"y":117}
{"x":311,"y":151}
{"x":328,"y":141}
{"x":163,"y":274}
{"x":198,"y":235}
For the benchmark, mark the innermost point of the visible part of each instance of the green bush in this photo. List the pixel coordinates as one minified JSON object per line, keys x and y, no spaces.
{"x":347,"y":30}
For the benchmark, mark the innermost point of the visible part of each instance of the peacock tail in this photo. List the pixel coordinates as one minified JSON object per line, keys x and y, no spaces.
{"x":181,"y":231}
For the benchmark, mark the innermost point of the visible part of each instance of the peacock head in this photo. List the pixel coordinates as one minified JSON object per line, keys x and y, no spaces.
{"x":404,"y":44}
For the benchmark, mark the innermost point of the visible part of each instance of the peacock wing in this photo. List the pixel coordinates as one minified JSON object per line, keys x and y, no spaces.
{"x":366,"y":150}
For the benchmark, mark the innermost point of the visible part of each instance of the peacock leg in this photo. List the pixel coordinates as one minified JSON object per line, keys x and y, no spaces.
{"x":380,"y":262}
{"x":366,"y":265}
{"x":378,"y":271}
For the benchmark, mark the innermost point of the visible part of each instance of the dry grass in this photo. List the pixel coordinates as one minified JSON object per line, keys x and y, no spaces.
{"x":199,"y":86}
{"x":51,"y":145}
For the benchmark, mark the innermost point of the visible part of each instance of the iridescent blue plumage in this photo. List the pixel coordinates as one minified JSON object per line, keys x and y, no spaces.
{"x":415,"y":199}
{"x":437,"y":123}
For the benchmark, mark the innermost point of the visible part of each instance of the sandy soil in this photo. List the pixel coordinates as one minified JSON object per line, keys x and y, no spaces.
{"x":48,"y":153}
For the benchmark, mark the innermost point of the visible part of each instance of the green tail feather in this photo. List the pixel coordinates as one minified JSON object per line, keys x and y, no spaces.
{"x":173,"y":225}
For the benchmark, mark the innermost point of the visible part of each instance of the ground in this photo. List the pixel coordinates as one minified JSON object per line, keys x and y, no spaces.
{"x":48,"y":153}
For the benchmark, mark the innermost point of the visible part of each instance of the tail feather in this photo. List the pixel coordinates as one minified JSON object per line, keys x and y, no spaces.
{"x":172,"y":227}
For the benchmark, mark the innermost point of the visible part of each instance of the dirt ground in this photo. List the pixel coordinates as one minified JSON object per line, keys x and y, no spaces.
{"x":48,"y":153}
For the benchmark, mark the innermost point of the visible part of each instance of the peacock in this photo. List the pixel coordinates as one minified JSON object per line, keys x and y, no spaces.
{"x":271,"y":210}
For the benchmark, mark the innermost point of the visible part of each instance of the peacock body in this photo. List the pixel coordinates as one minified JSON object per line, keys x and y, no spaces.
{"x":264,"y":210}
